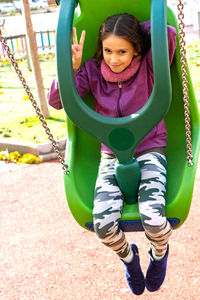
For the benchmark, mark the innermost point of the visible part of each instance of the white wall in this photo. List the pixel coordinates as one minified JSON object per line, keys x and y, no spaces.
{"x":191,"y":9}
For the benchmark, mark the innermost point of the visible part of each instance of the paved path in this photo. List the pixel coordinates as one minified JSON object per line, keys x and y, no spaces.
{"x":4,"y":167}
{"x":40,"y":22}
{"x":45,"y":255}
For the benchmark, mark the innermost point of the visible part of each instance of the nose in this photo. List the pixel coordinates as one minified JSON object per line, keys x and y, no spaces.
{"x":114,"y":59}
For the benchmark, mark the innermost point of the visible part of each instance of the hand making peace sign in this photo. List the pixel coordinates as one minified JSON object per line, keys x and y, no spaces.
{"x":77,"y":49}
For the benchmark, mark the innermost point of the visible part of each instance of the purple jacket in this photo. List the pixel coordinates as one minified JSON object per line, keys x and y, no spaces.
{"x":116,"y":100}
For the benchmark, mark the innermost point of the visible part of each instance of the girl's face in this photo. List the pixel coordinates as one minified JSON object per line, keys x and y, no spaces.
{"x":117,"y":53}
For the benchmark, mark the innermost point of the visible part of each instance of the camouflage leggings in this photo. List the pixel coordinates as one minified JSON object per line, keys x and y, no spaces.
{"x":108,"y":204}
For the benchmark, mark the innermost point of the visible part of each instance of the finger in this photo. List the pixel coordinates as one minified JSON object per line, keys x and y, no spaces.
{"x":82,"y":39}
{"x":73,"y":51}
{"x":75,"y":36}
{"x":75,"y":48}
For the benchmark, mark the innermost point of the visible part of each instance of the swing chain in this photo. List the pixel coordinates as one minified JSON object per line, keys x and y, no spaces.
{"x":182,"y":44}
{"x":34,"y":103}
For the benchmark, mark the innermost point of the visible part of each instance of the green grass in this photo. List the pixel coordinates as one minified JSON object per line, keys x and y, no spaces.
{"x":18,"y":119}
{"x":193,"y":57}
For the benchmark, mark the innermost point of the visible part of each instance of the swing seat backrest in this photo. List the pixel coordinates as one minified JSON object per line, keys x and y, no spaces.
{"x":83,"y":150}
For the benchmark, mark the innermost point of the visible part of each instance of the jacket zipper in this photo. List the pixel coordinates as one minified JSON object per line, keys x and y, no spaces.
{"x":118,"y":100}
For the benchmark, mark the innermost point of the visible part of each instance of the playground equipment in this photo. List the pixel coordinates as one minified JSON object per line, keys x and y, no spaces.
{"x":80,"y":173}
{"x":83,"y":164}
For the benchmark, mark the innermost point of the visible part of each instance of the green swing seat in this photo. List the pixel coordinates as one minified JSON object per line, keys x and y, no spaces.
{"x":83,"y":150}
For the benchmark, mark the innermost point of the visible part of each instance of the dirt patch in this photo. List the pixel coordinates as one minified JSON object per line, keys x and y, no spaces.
{"x":45,"y":254}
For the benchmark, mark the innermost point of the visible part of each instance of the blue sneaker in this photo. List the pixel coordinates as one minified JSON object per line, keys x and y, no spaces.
{"x":134,"y":275}
{"x":156,"y":272}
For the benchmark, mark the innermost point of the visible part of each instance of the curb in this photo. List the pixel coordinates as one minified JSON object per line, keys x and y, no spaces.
{"x":45,"y":151}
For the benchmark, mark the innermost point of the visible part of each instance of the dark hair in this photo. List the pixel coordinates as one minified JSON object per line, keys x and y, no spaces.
{"x":126,"y":26}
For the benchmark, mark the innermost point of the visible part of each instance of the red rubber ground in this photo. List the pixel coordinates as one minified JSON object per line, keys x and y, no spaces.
{"x":44,"y":254}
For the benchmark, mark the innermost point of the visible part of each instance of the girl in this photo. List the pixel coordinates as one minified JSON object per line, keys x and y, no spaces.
{"x":120,"y":76}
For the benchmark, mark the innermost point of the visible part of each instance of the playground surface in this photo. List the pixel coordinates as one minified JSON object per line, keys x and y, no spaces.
{"x":46,"y":255}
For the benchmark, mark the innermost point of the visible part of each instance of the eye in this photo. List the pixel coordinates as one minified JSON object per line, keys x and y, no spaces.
{"x":122,"y":51}
{"x":107,"y":50}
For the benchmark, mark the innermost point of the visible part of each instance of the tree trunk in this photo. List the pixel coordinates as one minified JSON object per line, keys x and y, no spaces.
{"x":34,"y":58}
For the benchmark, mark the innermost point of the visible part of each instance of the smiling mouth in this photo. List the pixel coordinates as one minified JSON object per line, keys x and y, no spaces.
{"x":115,"y":66}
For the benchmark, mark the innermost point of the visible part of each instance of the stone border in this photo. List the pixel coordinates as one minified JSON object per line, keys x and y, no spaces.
{"x":45,"y":150}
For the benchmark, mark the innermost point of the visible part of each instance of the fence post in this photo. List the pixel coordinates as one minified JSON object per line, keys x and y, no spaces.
{"x":27,"y":55}
{"x":49,"y":41}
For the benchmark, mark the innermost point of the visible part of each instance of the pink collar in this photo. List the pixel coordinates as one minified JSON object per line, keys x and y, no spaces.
{"x":111,"y":76}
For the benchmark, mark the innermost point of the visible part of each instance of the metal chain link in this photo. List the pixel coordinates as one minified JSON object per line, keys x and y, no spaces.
{"x":34,"y":103}
{"x":182,"y":44}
